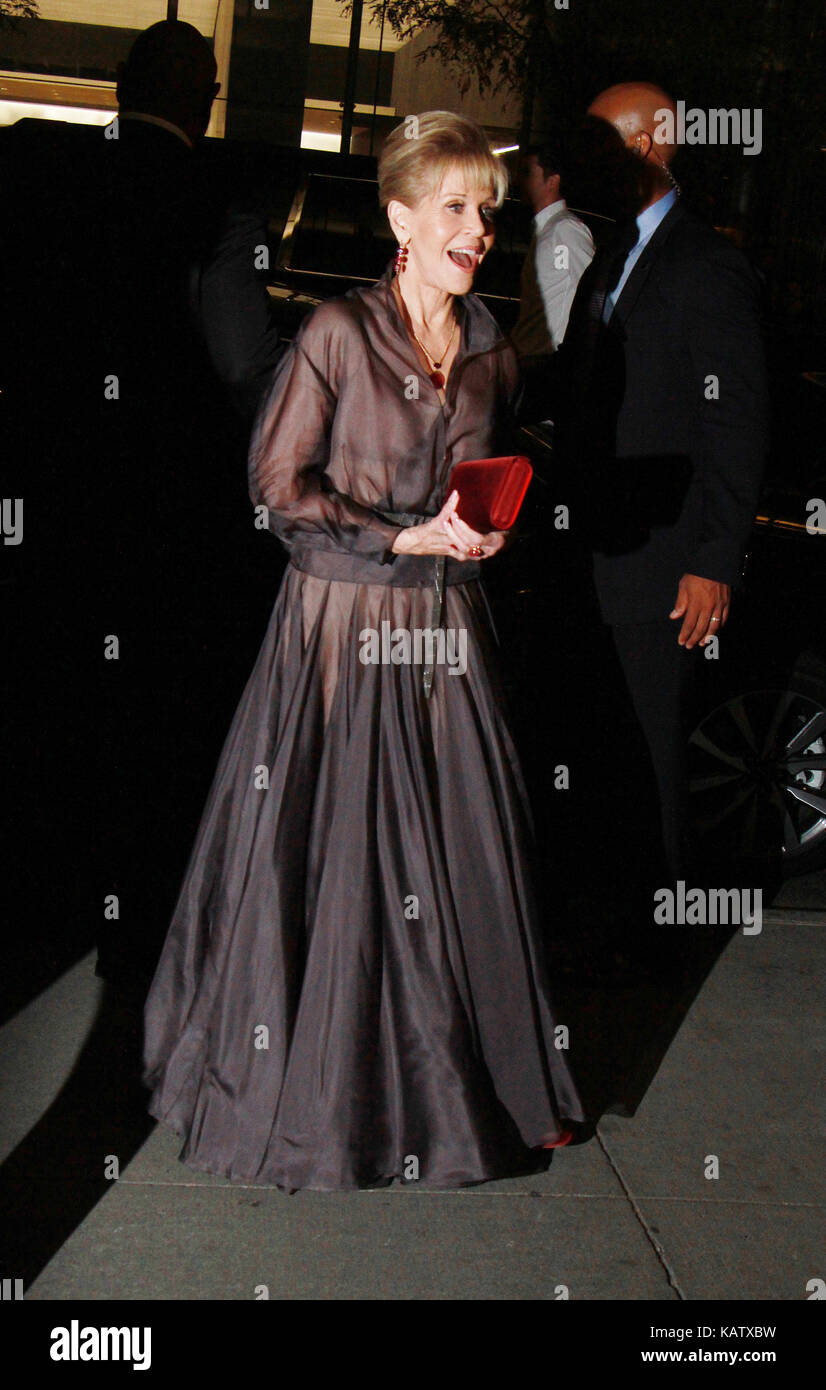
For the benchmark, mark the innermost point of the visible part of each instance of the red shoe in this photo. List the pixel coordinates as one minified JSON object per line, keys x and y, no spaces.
{"x":565,"y":1138}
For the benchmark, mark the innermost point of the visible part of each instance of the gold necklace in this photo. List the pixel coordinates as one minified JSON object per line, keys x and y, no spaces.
{"x":435,"y":375}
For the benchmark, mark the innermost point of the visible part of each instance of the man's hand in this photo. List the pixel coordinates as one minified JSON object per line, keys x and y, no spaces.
{"x":703,"y":605}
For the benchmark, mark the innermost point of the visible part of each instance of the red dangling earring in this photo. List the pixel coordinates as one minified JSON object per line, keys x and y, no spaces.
{"x":401,"y":259}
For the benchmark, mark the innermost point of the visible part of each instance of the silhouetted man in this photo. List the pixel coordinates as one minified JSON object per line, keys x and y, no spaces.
{"x":165,"y":94}
{"x":168,"y":81}
{"x":143,"y":338}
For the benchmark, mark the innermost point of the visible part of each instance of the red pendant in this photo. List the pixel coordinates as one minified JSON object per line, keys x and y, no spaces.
{"x":437,"y":379}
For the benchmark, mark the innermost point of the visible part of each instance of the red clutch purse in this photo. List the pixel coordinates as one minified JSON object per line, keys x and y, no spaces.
{"x":491,"y":491}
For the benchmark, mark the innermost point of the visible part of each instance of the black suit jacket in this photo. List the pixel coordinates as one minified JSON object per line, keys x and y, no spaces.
{"x":662,"y":418}
{"x":130,"y":260}
{"x":131,"y":310}
{"x":132,"y":313}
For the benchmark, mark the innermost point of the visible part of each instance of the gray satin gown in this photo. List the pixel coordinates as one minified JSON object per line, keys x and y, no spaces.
{"x":352,"y":987}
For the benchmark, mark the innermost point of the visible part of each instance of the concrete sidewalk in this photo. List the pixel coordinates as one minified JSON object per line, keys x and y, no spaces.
{"x":631,"y":1214}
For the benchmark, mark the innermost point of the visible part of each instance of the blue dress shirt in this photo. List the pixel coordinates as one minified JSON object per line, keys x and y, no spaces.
{"x":648,"y":221}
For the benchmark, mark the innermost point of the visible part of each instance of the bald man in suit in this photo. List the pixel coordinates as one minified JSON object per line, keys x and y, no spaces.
{"x":659,"y":395}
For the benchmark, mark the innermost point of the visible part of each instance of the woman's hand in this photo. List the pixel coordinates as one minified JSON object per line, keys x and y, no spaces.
{"x":447,"y":534}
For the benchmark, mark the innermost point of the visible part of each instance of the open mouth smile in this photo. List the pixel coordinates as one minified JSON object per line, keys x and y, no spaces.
{"x":466,"y":257}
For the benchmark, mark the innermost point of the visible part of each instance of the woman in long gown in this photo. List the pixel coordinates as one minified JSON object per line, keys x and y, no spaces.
{"x":352,"y":987}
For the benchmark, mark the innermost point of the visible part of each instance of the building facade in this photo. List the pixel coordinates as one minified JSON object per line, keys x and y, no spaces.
{"x":282,"y":66}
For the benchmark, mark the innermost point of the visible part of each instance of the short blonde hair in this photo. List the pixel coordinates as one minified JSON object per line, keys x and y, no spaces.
{"x":418,"y":153}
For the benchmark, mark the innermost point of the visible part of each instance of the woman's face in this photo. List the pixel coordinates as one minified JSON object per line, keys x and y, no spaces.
{"x":450,"y":233}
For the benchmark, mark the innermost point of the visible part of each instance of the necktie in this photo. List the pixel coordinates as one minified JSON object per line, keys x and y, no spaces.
{"x":615,"y":255}
{"x":607,"y":269}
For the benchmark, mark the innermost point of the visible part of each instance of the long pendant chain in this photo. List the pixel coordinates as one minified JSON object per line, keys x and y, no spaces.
{"x":434,"y":375}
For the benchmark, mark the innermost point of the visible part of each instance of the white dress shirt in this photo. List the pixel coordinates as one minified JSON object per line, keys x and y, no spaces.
{"x":156,"y":120}
{"x":560,"y":250}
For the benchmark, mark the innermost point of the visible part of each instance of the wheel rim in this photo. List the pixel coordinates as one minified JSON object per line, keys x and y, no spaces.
{"x":757,"y":774}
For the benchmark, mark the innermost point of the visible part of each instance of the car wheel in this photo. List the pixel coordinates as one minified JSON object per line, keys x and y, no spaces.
{"x":757,"y":778}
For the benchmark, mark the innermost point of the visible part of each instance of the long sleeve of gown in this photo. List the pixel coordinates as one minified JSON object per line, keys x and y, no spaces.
{"x":291,"y":441}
